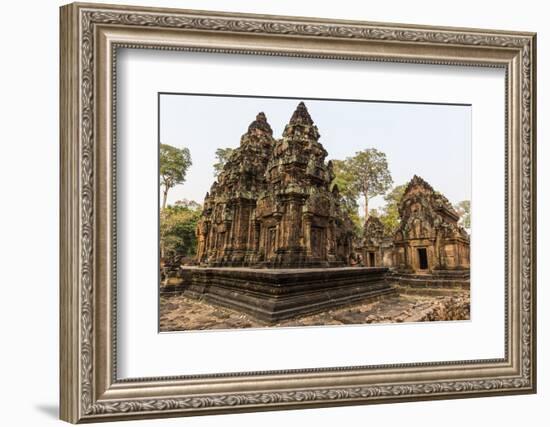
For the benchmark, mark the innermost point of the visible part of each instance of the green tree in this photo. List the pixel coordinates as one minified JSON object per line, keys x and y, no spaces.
{"x":389,"y":213}
{"x":177,"y":230}
{"x":344,"y":181}
{"x":367,"y":175}
{"x":174,"y":163}
{"x":190,"y":204}
{"x":222,"y":156}
{"x":463,"y":210}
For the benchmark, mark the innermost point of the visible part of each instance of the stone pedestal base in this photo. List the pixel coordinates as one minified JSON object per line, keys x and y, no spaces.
{"x":437,"y":279}
{"x":273,"y":295}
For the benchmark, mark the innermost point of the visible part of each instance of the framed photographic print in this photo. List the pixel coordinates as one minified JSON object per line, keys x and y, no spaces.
{"x":267,"y":212}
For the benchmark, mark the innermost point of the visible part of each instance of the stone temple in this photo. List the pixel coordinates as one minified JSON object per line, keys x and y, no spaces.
{"x":275,"y":242}
{"x":273,"y":239}
{"x":273,"y":206}
{"x":429,"y":246}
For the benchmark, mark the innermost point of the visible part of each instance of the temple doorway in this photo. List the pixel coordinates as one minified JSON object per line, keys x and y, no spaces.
{"x":422,"y":258}
{"x":371,"y":259}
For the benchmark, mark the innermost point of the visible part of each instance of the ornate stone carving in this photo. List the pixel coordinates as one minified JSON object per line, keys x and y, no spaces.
{"x":428,"y":240}
{"x":227,"y":231}
{"x":272,"y":205}
{"x":373,"y":231}
{"x":377,"y":247}
{"x":429,"y":237}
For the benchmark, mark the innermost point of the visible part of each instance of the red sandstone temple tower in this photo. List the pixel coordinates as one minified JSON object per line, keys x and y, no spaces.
{"x":272,"y":205}
{"x":302,"y":223}
{"x":228,"y":232}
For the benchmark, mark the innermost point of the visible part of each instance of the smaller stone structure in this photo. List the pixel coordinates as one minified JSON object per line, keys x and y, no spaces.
{"x":429,"y":239}
{"x":377,"y":249}
{"x":429,"y":248}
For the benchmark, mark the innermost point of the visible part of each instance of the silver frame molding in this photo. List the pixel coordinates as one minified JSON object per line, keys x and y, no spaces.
{"x":90,"y":36}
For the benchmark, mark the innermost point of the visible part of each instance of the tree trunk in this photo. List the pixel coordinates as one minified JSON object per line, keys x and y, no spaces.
{"x":366,"y":205}
{"x":164,"y":197}
{"x":161,"y":242}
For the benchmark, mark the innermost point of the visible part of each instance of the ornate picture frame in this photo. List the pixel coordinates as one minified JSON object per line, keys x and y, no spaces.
{"x":90,"y":37}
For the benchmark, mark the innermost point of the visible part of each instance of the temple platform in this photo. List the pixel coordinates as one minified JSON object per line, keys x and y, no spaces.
{"x":438,"y":279}
{"x":271,"y":295}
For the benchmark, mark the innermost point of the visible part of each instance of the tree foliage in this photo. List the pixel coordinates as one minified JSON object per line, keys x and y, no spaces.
{"x":463,"y":210}
{"x":178,"y":223}
{"x":366,"y":174}
{"x":389,"y":213}
{"x":174,"y":163}
{"x":190,"y":204}
{"x":344,"y":181}
{"x":222,"y":156}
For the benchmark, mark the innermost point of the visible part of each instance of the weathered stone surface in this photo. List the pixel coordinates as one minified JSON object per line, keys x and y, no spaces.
{"x":228,"y":232}
{"x":274,"y":294}
{"x":450,"y":308}
{"x":378,"y":248}
{"x":429,"y":223}
{"x":272,"y":206}
{"x":440,"y":279}
{"x":180,"y":313}
{"x":429,"y":248}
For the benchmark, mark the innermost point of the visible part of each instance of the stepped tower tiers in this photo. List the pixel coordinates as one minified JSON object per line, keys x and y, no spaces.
{"x":228,"y":231}
{"x":302,"y":222}
{"x":272,"y":205}
{"x":429,"y":239}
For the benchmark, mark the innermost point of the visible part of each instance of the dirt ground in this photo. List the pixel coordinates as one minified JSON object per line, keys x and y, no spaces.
{"x":179,"y":313}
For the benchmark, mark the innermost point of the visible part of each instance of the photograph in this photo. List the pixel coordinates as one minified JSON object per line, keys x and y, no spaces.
{"x":264,"y":210}
{"x":296,"y":212}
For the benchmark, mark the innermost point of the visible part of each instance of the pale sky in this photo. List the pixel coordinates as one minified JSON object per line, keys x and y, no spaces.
{"x":433,"y":141}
